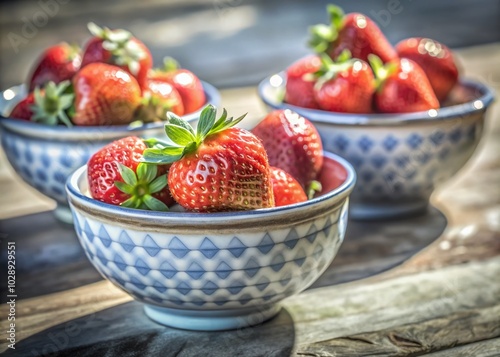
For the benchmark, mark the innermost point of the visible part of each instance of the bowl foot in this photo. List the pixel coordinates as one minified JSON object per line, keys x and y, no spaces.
{"x":63,"y":214}
{"x":384,"y":210}
{"x":210,"y":320}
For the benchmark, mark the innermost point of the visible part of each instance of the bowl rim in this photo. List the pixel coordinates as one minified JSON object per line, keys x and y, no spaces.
{"x":221,"y":220}
{"x":36,"y":129}
{"x":480,"y":104}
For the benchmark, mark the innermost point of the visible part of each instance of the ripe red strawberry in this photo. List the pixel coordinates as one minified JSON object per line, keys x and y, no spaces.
{"x":292,"y":143}
{"x":300,"y":82}
{"x":354,"y":32}
{"x":186,"y":82}
{"x":105,"y":95}
{"x":159,"y":98}
{"x":120,"y":48}
{"x":47,"y":106}
{"x":345,"y":86}
{"x":56,"y":64}
{"x":402,"y":87}
{"x":435,"y":59}
{"x":286,"y":189}
{"x":218,"y":168}
{"x":117,"y":176}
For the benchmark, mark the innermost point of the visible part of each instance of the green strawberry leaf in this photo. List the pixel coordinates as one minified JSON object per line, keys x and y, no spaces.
{"x":146,"y":173}
{"x":179,"y":135}
{"x":125,"y":188}
{"x":206,"y":122}
{"x":158,"y":184}
{"x":132,"y":202}
{"x":155,"y":143}
{"x":166,"y":155}
{"x":170,"y":64}
{"x":154,"y":204}
{"x":128,"y":175}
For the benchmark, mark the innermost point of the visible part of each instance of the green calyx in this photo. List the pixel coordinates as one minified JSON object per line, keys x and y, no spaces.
{"x":329,"y":69}
{"x":142,"y":186}
{"x":381,"y":71}
{"x":153,"y":108}
{"x":119,"y":43}
{"x":53,"y":103}
{"x":184,"y":139}
{"x":313,"y":188}
{"x":323,"y":35}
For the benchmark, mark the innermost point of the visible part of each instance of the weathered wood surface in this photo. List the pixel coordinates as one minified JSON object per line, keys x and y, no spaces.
{"x":442,"y":301}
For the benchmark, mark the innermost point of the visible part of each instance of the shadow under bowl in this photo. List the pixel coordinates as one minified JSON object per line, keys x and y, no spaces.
{"x":214,"y":271}
{"x":45,"y":156}
{"x":399,"y":158}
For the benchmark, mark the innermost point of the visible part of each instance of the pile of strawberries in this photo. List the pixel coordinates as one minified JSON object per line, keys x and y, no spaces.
{"x":110,"y":82}
{"x":356,"y":70}
{"x":218,"y":167}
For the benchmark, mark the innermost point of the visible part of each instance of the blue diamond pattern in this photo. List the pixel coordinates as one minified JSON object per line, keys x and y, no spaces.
{"x":402,"y":161}
{"x":45,"y":159}
{"x":184,"y":288}
{"x":357,"y":161}
{"x":208,"y":249}
{"x":291,"y":239}
{"x":366,"y":176}
{"x":167,"y":270}
{"x":236,"y":247}
{"x":195,"y":271}
{"x":237,"y":286}
{"x":312,"y":233}
{"x":198,"y":301}
{"x":245,"y":299}
{"x":455,"y":135}
{"x":251,"y":267}
{"x":444,"y":154}
{"x":223,"y":270}
{"x":41,"y":175}
{"x":119,"y":262}
{"x":422,"y":157}
{"x":277,"y":263}
{"x":150,"y":246}
{"x":59,"y":177}
{"x":327,"y":227}
{"x":341,"y":143}
{"x":142,"y":267}
{"x":28,"y":156}
{"x":437,"y":137}
{"x":390,"y":143}
{"x":137,"y":283}
{"x":66,"y":161}
{"x":159,"y":287}
{"x":266,"y":244}
{"x":125,"y":241}
{"x":100,"y":255}
{"x":378,"y":161}
{"x":26,"y":172}
{"x":262,"y":283}
{"x":414,"y":141}
{"x":302,"y":258}
{"x":178,"y":248}
{"x":365,"y":144}
{"x":88,"y":232}
{"x":104,"y":237}
{"x":209,"y":288}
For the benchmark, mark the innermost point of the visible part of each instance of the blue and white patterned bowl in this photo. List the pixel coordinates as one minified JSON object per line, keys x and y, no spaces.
{"x":399,"y":158}
{"x":214,"y":271}
{"x":45,"y":156}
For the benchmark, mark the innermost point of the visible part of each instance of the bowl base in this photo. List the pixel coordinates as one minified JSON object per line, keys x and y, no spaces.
{"x":214,"y":320}
{"x":384,"y":210}
{"x":63,"y":214}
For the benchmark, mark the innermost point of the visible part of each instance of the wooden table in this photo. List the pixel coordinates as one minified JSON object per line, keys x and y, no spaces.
{"x":422,"y":285}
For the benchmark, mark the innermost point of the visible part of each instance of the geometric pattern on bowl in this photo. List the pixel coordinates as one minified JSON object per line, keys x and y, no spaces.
{"x":213,"y":272}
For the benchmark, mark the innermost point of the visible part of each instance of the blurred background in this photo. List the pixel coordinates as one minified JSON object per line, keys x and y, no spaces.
{"x":229,"y":43}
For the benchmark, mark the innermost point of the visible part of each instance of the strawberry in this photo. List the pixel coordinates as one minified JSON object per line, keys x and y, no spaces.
{"x":105,"y":95}
{"x":159,"y":98}
{"x":217,"y":168}
{"x":57,"y":63}
{"x":47,"y":106}
{"x":292,"y":144}
{"x":300,"y":82}
{"x":286,"y":189}
{"x":354,"y":32}
{"x":435,"y":59}
{"x":402,"y":87}
{"x":186,"y":82}
{"x":345,"y":86}
{"x":117,"y":176}
{"x":120,"y":48}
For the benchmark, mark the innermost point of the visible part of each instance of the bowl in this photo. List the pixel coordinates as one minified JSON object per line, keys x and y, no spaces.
{"x":214,"y":271}
{"x":44,"y":156}
{"x":399,"y":158}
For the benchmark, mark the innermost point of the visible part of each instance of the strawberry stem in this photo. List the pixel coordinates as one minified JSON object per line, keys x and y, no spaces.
{"x":381,"y":71}
{"x":53,"y":104}
{"x":323,"y":35}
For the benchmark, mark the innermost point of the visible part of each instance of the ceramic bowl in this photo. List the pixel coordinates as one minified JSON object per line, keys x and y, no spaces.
{"x":214,"y":271}
{"x":399,"y":158}
{"x":45,"y":156}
